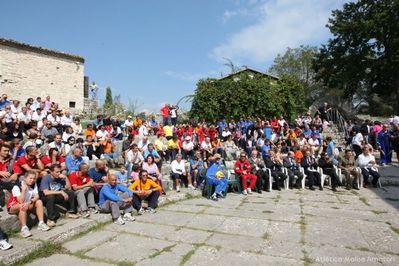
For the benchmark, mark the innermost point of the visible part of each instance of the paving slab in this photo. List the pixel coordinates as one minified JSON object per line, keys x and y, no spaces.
{"x":206,"y":222}
{"x":221,"y":256}
{"x":66,"y":260}
{"x":89,"y":241}
{"x":243,"y":226}
{"x":21,"y":248}
{"x":172,"y":257}
{"x":128,"y":248}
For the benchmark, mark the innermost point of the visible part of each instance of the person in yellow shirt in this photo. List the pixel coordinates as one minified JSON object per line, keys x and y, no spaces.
{"x":168,"y":131}
{"x":145,"y":189}
{"x":137,"y":122}
{"x":173,"y":148}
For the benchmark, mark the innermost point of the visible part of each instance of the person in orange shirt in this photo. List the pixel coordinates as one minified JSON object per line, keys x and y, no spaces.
{"x":137,"y":122}
{"x":145,"y":189}
{"x":89,"y":131}
{"x":109,"y":149}
{"x":298,"y":154}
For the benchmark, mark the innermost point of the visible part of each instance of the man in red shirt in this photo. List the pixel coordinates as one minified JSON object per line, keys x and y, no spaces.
{"x":29,"y":162}
{"x":243,"y":169}
{"x":7,"y":179}
{"x":84,"y":191}
{"x":165,"y":114}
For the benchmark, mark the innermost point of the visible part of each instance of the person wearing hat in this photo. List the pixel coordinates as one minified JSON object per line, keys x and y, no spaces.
{"x":215,"y":176}
{"x":187,"y":148}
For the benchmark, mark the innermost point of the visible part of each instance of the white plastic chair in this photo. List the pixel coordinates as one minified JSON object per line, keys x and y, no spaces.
{"x":360,"y":183}
{"x":325,"y":177}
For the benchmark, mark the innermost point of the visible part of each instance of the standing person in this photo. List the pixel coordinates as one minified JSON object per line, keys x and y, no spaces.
{"x":216,"y":177}
{"x":243,"y":169}
{"x":83,"y":187}
{"x":385,"y":145}
{"x":56,"y":189}
{"x":145,"y":189}
{"x":25,"y":199}
{"x":165,"y":114}
{"x":114,"y":198}
{"x":366,"y":162}
{"x":173,"y":114}
{"x":347,"y":164}
{"x":357,"y":143}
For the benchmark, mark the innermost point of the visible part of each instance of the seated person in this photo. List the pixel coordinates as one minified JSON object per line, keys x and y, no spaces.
{"x":121,"y":175}
{"x":275,"y":164}
{"x":25,"y":199}
{"x":7,"y":178}
{"x":4,"y":245}
{"x":56,"y":189}
{"x":30,"y":162}
{"x":293,"y":170}
{"x":98,"y":173}
{"x":368,"y":165}
{"x":187,"y":148}
{"x":74,"y":160}
{"x":178,"y":171}
{"x":109,"y":149}
{"x":309,"y":164}
{"x":216,"y":177}
{"x":53,"y":157}
{"x":327,"y":165}
{"x":145,"y":189}
{"x":153,"y":171}
{"x":196,"y":165}
{"x":347,"y":164}
{"x":83,"y":187}
{"x":114,"y":198}
{"x":258,"y":168}
{"x":243,"y":169}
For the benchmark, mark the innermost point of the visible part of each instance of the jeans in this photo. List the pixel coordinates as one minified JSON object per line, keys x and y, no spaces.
{"x":50,"y":201}
{"x":152,"y":200}
{"x":367,"y":172}
{"x":220,"y":184}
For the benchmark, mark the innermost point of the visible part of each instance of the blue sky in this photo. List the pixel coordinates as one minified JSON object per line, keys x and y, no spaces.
{"x":155,"y":51}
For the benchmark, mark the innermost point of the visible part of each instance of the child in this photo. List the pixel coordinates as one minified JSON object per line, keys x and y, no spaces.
{"x":24,"y":199}
{"x":135,"y":172}
{"x":122,"y":175}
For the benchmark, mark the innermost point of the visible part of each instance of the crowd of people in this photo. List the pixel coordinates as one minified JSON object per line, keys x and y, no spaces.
{"x":46,"y":154}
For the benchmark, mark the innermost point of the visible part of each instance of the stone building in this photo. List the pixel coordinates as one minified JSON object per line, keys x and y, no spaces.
{"x":31,"y":71}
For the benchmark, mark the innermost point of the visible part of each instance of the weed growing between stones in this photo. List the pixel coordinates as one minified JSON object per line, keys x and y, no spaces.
{"x":378,"y":212}
{"x":45,"y":251}
{"x":188,"y":255}
{"x":159,"y":252}
{"x":364,"y":200}
{"x":395,"y":229}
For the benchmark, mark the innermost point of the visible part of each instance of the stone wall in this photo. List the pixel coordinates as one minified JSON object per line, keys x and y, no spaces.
{"x":25,"y":74}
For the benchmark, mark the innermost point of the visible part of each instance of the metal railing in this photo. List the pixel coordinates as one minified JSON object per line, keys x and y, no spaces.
{"x":337,"y":118}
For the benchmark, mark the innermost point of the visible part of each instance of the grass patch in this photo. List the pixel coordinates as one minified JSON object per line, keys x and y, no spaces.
{"x":335,"y":207}
{"x":306,"y":259}
{"x":364,"y":200}
{"x":187,"y":257}
{"x":364,"y":249}
{"x":125,"y":263}
{"x":267,"y":211}
{"x":379,"y":212}
{"x":354,"y":192}
{"x":45,"y":251}
{"x":395,"y":229}
{"x":266,"y":236}
{"x":159,"y":252}
{"x":189,"y":196}
{"x":302,"y":227}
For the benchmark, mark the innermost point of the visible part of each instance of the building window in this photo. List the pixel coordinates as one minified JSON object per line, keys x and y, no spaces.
{"x":72,"y":104}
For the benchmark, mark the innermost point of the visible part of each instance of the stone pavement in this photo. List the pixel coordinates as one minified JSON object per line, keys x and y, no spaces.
{"x":294,"y":227}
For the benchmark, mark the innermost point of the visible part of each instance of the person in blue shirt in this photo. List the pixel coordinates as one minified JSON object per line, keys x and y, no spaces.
{"x":121,"y":175}
{"x":114,"y":198}
{"x":74,"y":160}
{"x":16,"y":150}
{"x":215,"y":176}
{"x":4,"y":102}
{"x":266,"y":148}
{"x":98,"y":173}
{"x":221,"y":126}
{"x":267,"y":130}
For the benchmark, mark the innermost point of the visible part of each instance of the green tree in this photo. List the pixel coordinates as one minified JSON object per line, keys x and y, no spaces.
{"x":243,"y":95}
{"x":297,"y":64}
{"x":361,"y":61}
{"x":108,"y":99}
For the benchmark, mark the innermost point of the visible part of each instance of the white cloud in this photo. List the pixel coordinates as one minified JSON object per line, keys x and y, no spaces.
{"x":185,"y":76}
{"x":280,"y":24}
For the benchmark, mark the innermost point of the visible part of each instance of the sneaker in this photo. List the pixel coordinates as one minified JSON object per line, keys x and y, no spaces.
{"x":50,"y":223}
{"x":177,"y":189}
{"x":141,"y":211}
{"x":128,"y":217}
{"x":4,"y":245}
{"x":219,"y":195}
{"x":119,"y":221}
{"x":249,"y":191}
{"x":151,"y":210}
{"x":85,"y":214}
{"x":25,"y":232}
{"x":191,"y":187}
{"x":214,"y":197}
{"x":312,"y":188}
{"x":245,"y":192}
{"x":70,"y":215}
{"x":93,"y":210}
{"x":43,"y":227}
